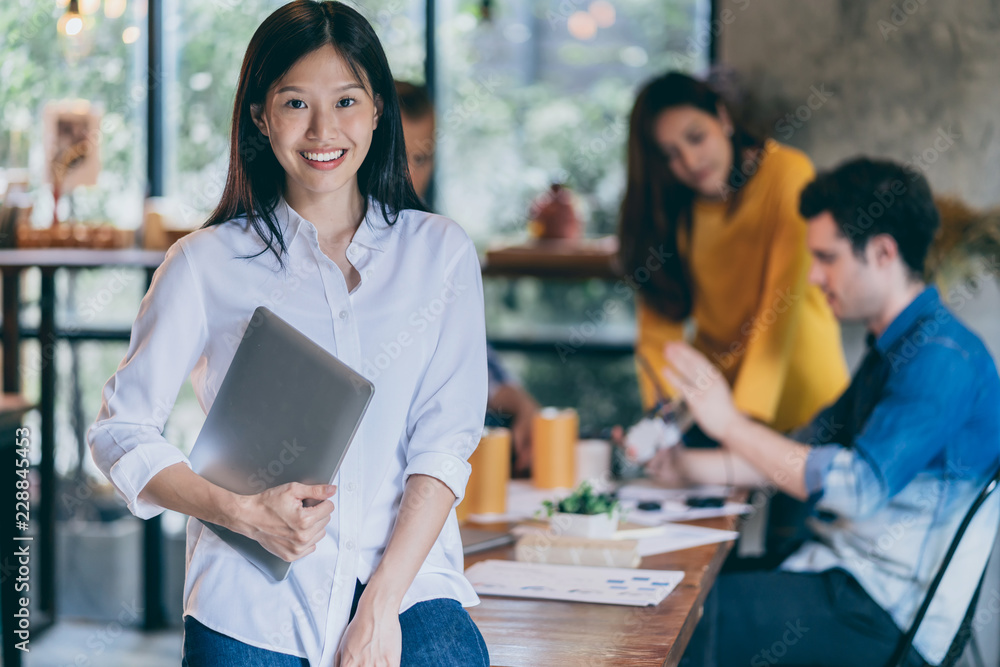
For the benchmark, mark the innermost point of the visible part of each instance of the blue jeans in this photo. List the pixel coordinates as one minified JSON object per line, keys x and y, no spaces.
{"x":435,"y":632}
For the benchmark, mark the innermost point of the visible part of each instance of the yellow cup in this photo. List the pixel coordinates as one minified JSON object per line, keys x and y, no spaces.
{"x":486,"y":492}
{"x":554,"y":433}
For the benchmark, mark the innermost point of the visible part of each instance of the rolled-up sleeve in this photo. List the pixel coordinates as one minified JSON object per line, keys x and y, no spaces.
{"x":168,"y":337}
{"x":449,"y":406}
{"x":818,"y":465}
{"x":850,"y":488}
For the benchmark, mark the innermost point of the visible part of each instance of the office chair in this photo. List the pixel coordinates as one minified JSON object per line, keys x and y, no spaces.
{"x":965,"y":628}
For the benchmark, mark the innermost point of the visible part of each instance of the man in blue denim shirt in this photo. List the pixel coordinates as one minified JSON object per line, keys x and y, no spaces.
{"x":892,"y":466}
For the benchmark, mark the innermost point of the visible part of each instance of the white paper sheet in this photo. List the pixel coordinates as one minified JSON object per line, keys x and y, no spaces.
{"x":676,"y":537}
{"x":647,"y":490}
{"x":574,"y":583}
{"x":524,"y":501}
{"x":673,"y":506}
{"x":663,"y":539}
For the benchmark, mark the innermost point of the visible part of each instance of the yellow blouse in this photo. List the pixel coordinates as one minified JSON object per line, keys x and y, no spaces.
{"x":770,"y":332}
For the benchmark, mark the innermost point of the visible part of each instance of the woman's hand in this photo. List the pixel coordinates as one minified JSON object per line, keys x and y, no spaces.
{"x":280,"y":520}
{"x":373,"y":638}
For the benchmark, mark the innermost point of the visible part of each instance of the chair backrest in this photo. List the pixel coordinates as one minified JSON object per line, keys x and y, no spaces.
{"x":964,"y":632}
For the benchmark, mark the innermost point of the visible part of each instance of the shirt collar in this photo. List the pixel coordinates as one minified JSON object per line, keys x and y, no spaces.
{"x":926,"y":302}
{"x":371,"y":233}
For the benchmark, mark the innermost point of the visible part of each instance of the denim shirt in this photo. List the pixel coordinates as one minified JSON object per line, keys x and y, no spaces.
{"x":895,"y":464}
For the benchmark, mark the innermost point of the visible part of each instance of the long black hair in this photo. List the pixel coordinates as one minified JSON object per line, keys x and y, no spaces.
{"x":656,"y":204}
{"x":256,"y":178}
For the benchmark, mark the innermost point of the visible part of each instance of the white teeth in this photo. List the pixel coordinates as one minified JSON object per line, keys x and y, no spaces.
{"x":323,"y":157}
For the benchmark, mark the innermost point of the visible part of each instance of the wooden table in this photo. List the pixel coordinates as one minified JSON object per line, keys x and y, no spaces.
{"x":546,"y":633}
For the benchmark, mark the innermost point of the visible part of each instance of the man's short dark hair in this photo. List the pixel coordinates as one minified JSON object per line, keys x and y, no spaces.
{"x":871,"y":197}
{"x":414,"y":102}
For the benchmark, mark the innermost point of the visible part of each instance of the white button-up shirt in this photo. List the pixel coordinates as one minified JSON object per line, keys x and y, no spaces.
{"x":414,"y":326}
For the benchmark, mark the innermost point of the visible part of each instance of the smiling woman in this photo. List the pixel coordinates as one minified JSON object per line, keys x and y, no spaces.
{"x":313,"y":110}
{"x":317,"y":187}
{"x":314,"y":88}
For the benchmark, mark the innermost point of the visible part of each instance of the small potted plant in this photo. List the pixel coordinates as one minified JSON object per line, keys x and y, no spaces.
{"x":584,"y":513}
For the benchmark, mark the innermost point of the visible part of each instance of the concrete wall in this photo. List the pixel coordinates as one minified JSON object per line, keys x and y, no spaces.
{"x":917,"y":81}
{"x":897,"y":81}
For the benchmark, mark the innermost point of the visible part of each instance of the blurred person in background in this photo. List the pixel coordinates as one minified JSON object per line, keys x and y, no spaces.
{"x":891,"y":467}
{"x":509,"y":404}
{"x":710,"y":232}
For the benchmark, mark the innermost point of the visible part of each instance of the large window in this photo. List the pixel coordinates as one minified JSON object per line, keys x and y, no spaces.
{"x":538,"y":91}
{"x":100,"y":67}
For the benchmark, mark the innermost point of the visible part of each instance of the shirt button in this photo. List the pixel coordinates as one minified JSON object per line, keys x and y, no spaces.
{"x":343,"y":314}
{"x":351,"y":487}
{"x":350,"y":545}
{"x":368,"y":273}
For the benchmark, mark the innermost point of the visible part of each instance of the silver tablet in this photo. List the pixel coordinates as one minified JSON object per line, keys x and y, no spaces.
{"x":287,"y":411}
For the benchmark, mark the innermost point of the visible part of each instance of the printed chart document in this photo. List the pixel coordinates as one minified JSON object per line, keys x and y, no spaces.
{"x":574,"y":583}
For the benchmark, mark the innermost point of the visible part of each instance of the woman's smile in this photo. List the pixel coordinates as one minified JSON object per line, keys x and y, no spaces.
{"x":324,"y":161}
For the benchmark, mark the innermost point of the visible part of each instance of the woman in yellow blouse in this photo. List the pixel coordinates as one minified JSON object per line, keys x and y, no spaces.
{"x":710,"y":232}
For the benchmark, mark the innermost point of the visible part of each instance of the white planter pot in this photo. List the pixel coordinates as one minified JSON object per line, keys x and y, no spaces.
{"x":594,"y":526}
